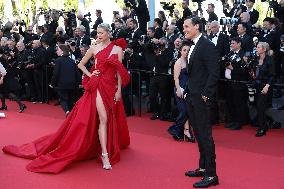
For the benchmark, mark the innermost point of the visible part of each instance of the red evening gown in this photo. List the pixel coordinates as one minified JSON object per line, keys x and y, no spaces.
{"x":77,"y":138}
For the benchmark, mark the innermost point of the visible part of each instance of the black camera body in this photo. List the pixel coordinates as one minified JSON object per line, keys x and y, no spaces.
{"x":169,"y":7}
{"x":130,"y":3}
{"x":20,"y":23}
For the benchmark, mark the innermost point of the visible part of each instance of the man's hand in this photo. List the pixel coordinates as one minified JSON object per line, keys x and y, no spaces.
{"x":205,"y":98}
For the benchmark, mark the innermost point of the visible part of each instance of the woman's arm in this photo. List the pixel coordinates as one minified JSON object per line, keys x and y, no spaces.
{"x":89,"y":54}
{"x":118,"y":92}
{"x":177,"y":69}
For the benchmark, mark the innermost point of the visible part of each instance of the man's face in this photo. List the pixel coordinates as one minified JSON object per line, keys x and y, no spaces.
{"x":214,"y":28}
{"x":117,"y":25}
{"x":235,"y":46}
{"x":241,"y":29}
{"x":210,"y":9}
{"x":184,"y":4}
{"x":150,"y":33}
{"x":249,"y":4}
{"x":190,"y":31}
{"x":170,"y":30}
{"x":267,"y":25}
{"x":20,"y":46}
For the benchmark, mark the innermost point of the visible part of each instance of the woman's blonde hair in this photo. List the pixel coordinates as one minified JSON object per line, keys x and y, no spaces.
{"x":266,"y":46}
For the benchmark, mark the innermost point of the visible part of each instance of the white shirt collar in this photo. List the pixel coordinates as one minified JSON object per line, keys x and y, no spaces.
{"x":195,"y":40}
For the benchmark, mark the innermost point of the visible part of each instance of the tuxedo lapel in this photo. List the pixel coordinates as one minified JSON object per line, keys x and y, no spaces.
{"x":190,"y":60}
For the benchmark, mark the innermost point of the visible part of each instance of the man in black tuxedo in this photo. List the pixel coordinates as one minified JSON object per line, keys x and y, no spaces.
{"x":159,"y":33}
{"x":202,"y":84}
{"x":186,"y":11}
{"x":82,"y":38}
{"x":211,"y":13}
{"x":247,"y":42}
{"x":222,"y":43}
{"x":254,"y":14}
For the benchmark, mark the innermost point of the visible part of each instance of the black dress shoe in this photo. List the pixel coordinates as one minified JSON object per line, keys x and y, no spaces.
{"x":195,"y":173}
{"x":206,"y":182}
{"x":154,"y":117}
{"x":236,"y":126}
{"x":22,"y":108}
{"x":229,"y":125}
{"x":189,"y":139}
{"x":260,"y":133}
{"x":4,"y":107}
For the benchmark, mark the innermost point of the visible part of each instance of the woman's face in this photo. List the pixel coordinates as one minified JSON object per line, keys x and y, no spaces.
{"x":102,"y":34}
{"x":184,"y":51}
{"x":59,"y":52}
{"x":260,"y":50}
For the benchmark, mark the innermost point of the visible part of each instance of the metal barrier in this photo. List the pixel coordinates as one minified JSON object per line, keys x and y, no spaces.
{"x":138,"y":72}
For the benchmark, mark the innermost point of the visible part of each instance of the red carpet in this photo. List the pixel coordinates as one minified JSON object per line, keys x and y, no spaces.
{"x":153,"y":160}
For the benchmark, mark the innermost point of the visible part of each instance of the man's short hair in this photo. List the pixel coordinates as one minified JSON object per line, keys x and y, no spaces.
{"x":236,"y":39}
{"x":82,"y":28}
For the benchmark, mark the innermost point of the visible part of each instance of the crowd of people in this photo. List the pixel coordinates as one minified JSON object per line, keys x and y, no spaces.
{"x":34,"y":61}
{"x":190,"y":62}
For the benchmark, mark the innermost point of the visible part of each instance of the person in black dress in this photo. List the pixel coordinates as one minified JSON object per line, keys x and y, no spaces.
{"x":181,"y":129}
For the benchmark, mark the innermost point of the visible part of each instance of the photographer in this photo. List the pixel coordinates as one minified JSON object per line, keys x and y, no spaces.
{"x":26,"y":78}
{"x":66,"y":78}
{"x":211,"y":13}
{"x":141,"y":11}
{"x":247,"y":40}
{"x":159,"y":33}
{"x":81,"y":36}
{"x":254,"y":14}
{"x":84,"y":22}
{"x":98,"y":21}
{"x":160,"y":83}
{"x":9,"y":84}
{"x":278,"y":9}
{"x":236,"y":93}
{"x":119,"y":32}
{"x":186,"y":11}
{"x":36,"y":65}
{"x":28,"y":34}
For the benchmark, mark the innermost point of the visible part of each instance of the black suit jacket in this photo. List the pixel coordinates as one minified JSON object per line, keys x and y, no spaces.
{"x":223,"y":44}
{"x":85,"y":41}
{"x":203,"y":69}
{"x":254,"y":15}
{"x":159,"y":33}
{"x":66,"y":74}
{"x":247,"y":43}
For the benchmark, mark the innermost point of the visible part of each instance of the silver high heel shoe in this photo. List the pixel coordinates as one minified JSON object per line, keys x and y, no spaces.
{"x":106,"y":163}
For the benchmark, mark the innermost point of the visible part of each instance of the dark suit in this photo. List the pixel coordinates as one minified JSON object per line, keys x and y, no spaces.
{"x":203,"y":76}
{"x":223,"y":48}
{"x":254,"y":15}
{"x":84,"y":41}
{"x":159,"y":33}
{"x":247,"y":43}
{"x":66,"y":77}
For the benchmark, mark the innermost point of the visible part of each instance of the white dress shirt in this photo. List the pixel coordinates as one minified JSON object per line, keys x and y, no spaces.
{"x":195,"y":40}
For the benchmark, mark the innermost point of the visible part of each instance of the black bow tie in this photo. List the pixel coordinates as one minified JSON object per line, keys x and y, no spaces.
{"x":191,"y":42}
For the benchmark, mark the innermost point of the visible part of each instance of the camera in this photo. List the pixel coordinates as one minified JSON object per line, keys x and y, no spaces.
{"x":239,"y":2}
{"x":20,"y":23}
{"x":169,"y":7}
{"x":226,"y":21}
{"x":130,"y":3}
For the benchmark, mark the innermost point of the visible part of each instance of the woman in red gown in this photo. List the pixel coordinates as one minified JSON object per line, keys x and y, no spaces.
{"x":96,"y":127}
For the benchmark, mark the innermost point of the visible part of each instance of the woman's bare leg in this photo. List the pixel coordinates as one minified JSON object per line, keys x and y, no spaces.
{"x":103,"y":130}
{"x":103,"y":122}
